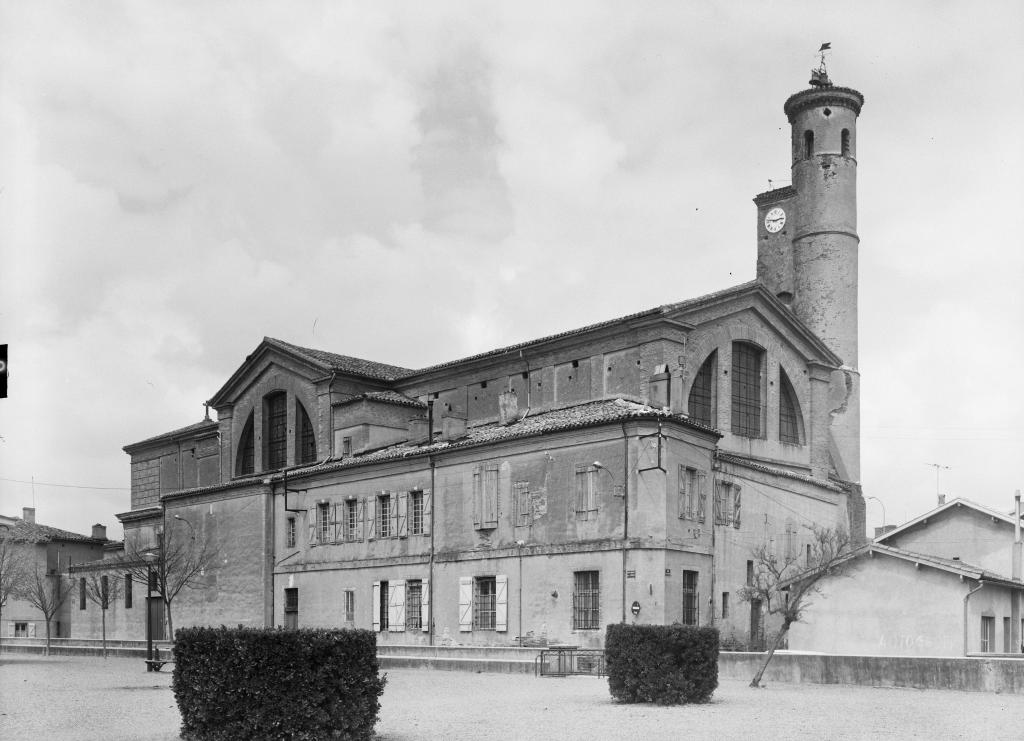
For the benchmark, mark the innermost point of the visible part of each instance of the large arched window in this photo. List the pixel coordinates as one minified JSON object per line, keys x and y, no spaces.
{"x":305,"y":444}
{"x":246,"y":464}
{"x":747,"y":389}
{"x":790,"y":419}
{"x":701,"y":404}
{"x":275,"y":421}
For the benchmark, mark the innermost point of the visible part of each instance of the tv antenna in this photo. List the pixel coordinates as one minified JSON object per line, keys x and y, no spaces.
{"x":938,"y":467}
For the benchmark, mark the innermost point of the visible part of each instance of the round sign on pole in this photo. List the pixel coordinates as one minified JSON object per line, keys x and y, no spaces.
{"x":635,"y":609}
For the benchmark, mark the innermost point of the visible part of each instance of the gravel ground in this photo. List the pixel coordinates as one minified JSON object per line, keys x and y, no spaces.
{"x":81,"y":697}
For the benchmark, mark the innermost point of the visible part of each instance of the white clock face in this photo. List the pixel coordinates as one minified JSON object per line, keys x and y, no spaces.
{"x":774,"y":220}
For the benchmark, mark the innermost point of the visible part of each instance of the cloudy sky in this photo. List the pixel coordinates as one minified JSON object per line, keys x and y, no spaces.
{"x":417,"y":182}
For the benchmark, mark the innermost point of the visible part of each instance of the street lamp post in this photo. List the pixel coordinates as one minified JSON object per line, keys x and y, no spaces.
{"x":149,"y":558}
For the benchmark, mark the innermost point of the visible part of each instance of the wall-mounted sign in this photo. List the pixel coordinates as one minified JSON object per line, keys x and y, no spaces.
{"x":668,"y":572}
{"x":631,"y":574}
{"x":635,"y":609}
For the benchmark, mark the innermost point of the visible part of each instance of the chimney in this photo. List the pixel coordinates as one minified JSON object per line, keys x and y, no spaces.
{"x":658,"y":388}
{"x":28,"y":514}
{"x":452,"y":427}
{"x":418,"y":430}
{"x":99,"y":532}
{"x":508,"y":407}
{"x":942,"y":499}
{"x":880,"y":531}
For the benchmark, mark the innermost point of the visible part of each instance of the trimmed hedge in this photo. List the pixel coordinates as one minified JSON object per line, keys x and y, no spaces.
{"x":276,"y":684}
{"x":663,"y":664}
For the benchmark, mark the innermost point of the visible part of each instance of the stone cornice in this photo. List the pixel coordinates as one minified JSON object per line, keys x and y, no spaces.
{"x":844,"y":97}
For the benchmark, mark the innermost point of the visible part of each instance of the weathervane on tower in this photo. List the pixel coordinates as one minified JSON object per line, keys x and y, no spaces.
{"x":819,"y":77}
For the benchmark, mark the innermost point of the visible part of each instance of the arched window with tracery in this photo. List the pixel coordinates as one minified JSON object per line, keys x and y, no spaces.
{"x":790,"y":419}
{"x":305,"y":445}
{"x":246,"y":461}
{"x":701,"y":404}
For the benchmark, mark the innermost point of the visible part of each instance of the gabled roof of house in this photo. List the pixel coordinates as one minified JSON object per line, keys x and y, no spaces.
{"x":206,"y":425}
{"x":331,"y":362}
{"x":951,"y":565}
{"x":385,"y":397}
{"x":953,"y":504}
{"x":30,"y":532}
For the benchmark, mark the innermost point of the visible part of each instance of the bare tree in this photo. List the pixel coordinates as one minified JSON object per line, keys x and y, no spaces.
{"x":182,"y":560}
{"x":47,"y":593}
{"x":786,"y":585}
{"x":100,"y":590}
{"x":13,"y":569}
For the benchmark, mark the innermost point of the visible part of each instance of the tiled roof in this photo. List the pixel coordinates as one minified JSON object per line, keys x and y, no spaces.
{"x":344,"y":363}
{"x":581,"y":415}
{"x":775,"y":471}
{"x":947,"y":564}
{"x":386,"y":397}
{"x":181,"y":431}
{"x":951,"y":505}
{"x":34,"y":533}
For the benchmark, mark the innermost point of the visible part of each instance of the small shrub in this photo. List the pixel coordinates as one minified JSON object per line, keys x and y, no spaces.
{"x":276,"y":684}
{"x":663,"y":664}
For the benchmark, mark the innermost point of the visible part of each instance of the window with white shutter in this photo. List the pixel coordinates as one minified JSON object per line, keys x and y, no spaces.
{"x":501,"y":603}
{"x":396,"y":606}
{"x":465,"y":604}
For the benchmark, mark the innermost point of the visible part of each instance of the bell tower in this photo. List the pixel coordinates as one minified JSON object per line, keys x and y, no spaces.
{"x":808,"y":243}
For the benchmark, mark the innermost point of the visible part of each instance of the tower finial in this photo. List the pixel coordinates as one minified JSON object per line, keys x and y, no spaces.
{"x":819,"y":77}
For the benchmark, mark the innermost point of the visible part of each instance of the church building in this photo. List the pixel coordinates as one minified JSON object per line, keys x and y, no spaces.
{"x":622,"y":471}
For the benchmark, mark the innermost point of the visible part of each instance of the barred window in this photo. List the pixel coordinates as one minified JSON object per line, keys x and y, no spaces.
{"x":747,"y":362}
{"x":586,"y":601}
{"x":81,"y":593}
{"x":484,"y":602}
{"x":277,"y":430}
{"x":305,"y":445}
{"x":104,"y":592}
{"x":350,"y":605}
{"x":247,"y":450}
{"x":127,"y":591}
{"x":414,"y":604}
{"x":701,"y":403}
{"x":416,"y":513}
{"x":690,"y":598}
{"x":789,"y":412}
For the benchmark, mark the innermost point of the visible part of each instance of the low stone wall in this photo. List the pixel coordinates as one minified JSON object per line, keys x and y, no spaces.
{"x":973,"y":674}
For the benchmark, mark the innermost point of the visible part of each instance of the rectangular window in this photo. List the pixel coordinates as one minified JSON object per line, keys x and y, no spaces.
{"x":127,"y":591}
{"x":523,"y":514}
{"x":21,"y":630}
{"x":690,"y":596}
{"x":346,"y":446}
{"x":104,"y":592}
{"x":750,"y":573}
{"x":382,"y":608}
{"x":351,"y":520}
{"x":586,"y":494}
{"x":414,"y":605}
{"x":746,"y":389}
{"x":485,"y":496}
{"x":691,"y":494}
{"x":725,"y":605}
{"x":586,"y":601}
{"x":289,"y":536}
{"x":81,"y":593}
{"x":350,"y":605}
{"x":323,"y":517}
{"x":1007,"y":643}
{"x":384,"y":516}
{"x":727,"y":504}
{"x":484,"y":602}
{"x":416,"y":513}
{"x":291,"y":608}
{"x":988,"y":634}
{"x":277,"y":426}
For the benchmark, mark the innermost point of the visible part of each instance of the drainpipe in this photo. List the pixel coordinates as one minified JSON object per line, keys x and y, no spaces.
{"x":625,"y":514}
{"x":1015,"y":571}
{"x":433,"y":529}
{"x":981,"y":583}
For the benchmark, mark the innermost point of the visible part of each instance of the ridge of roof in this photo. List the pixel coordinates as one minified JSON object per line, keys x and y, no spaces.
{"x":775,"y":471}
{"x":949,"y":564}
{"x":344,"y":363}
{"x":194,"y":427}
{"x":384,"y":397}
{"x":951,"y":504}
{"x":31,"y":532}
